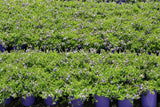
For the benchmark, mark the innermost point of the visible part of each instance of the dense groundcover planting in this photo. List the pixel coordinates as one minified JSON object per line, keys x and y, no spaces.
{"x":78,"y":74}
{"x":50,"y":25}
{"x":73,"y":48}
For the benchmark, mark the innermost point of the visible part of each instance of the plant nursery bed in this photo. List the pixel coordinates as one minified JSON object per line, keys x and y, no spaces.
{"x":77,"y":75}
{"x":39,"y":102}
{"x":48,"y":25}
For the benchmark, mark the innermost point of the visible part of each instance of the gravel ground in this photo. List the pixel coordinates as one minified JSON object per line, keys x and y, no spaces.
{"x":39,"y":102}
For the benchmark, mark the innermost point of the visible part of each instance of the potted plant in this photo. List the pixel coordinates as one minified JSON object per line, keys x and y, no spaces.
{"x":102,"y":86}
{"x":77,"y":91}
{"x":52,"y":93}
{"x":5,"y":97}
{"x":150,"y":85}
{"x":50,"y":101}
{"x":102,"y":101}
{"x":102,"y":95}
{"x":50,"y":88}
{"x":126,"y":90}
{"x":6,"y":89}
{"x":6,"y":101}
{"x":28,"y":100}
{"x":149,"y":95}
{"x":76,"y":102}
{"x":149,"y":99}
{"x":28,"y":86}
{"x":126,"y":95}
{"x":27,"y":94}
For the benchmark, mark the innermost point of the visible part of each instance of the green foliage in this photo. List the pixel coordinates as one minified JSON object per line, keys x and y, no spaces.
{"x":120,"y":76}
{"x":48,"y":25}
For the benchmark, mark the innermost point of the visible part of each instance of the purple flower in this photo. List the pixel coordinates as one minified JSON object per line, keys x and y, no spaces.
{"x":67,"y":79}
{"x":48,"y":36}
{"x":96,"y":44}
{"x":106,"y":40}
{"x":141,"y":87}
{"x":27,"y":94}
{"x":3,"y":90}
{"x":119,"y":86}
{"x":13,"y":95}
{"x":60,"y":92}
{"x":86,"y":43}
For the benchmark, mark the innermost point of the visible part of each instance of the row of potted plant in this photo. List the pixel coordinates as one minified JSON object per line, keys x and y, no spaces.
{"x":118,"y":1}
{"x":65,"y":25}
{"x":78,"y":49}
{"x":78,"y":74}
{"x":148,"y":99}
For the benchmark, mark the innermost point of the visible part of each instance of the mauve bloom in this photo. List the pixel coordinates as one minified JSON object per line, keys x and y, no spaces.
{"x":127,"y":95}
{"x":103,"y":80}
{"x":28,"y":94}
{"x":40,"y":39}
{"x":3,"y":90}
{"x":25,"y":66}
{"x":60,"y":92}
{"x":54,"y":69}
{"x":96,"y":71}
{"x":13,"y":95}
{"x":64,"y":38}
{"x":80,"y":71}
{"x":119,"y":86}
{"x":66,"y":79}
{"x":48,"y":36}
{"x":86,"y":43}
{"x":96,"y":44}
{"x":49,"y":95}
{"x":106,"y":39}
{"x":111,"y":82}
{"x":141,"y":87}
